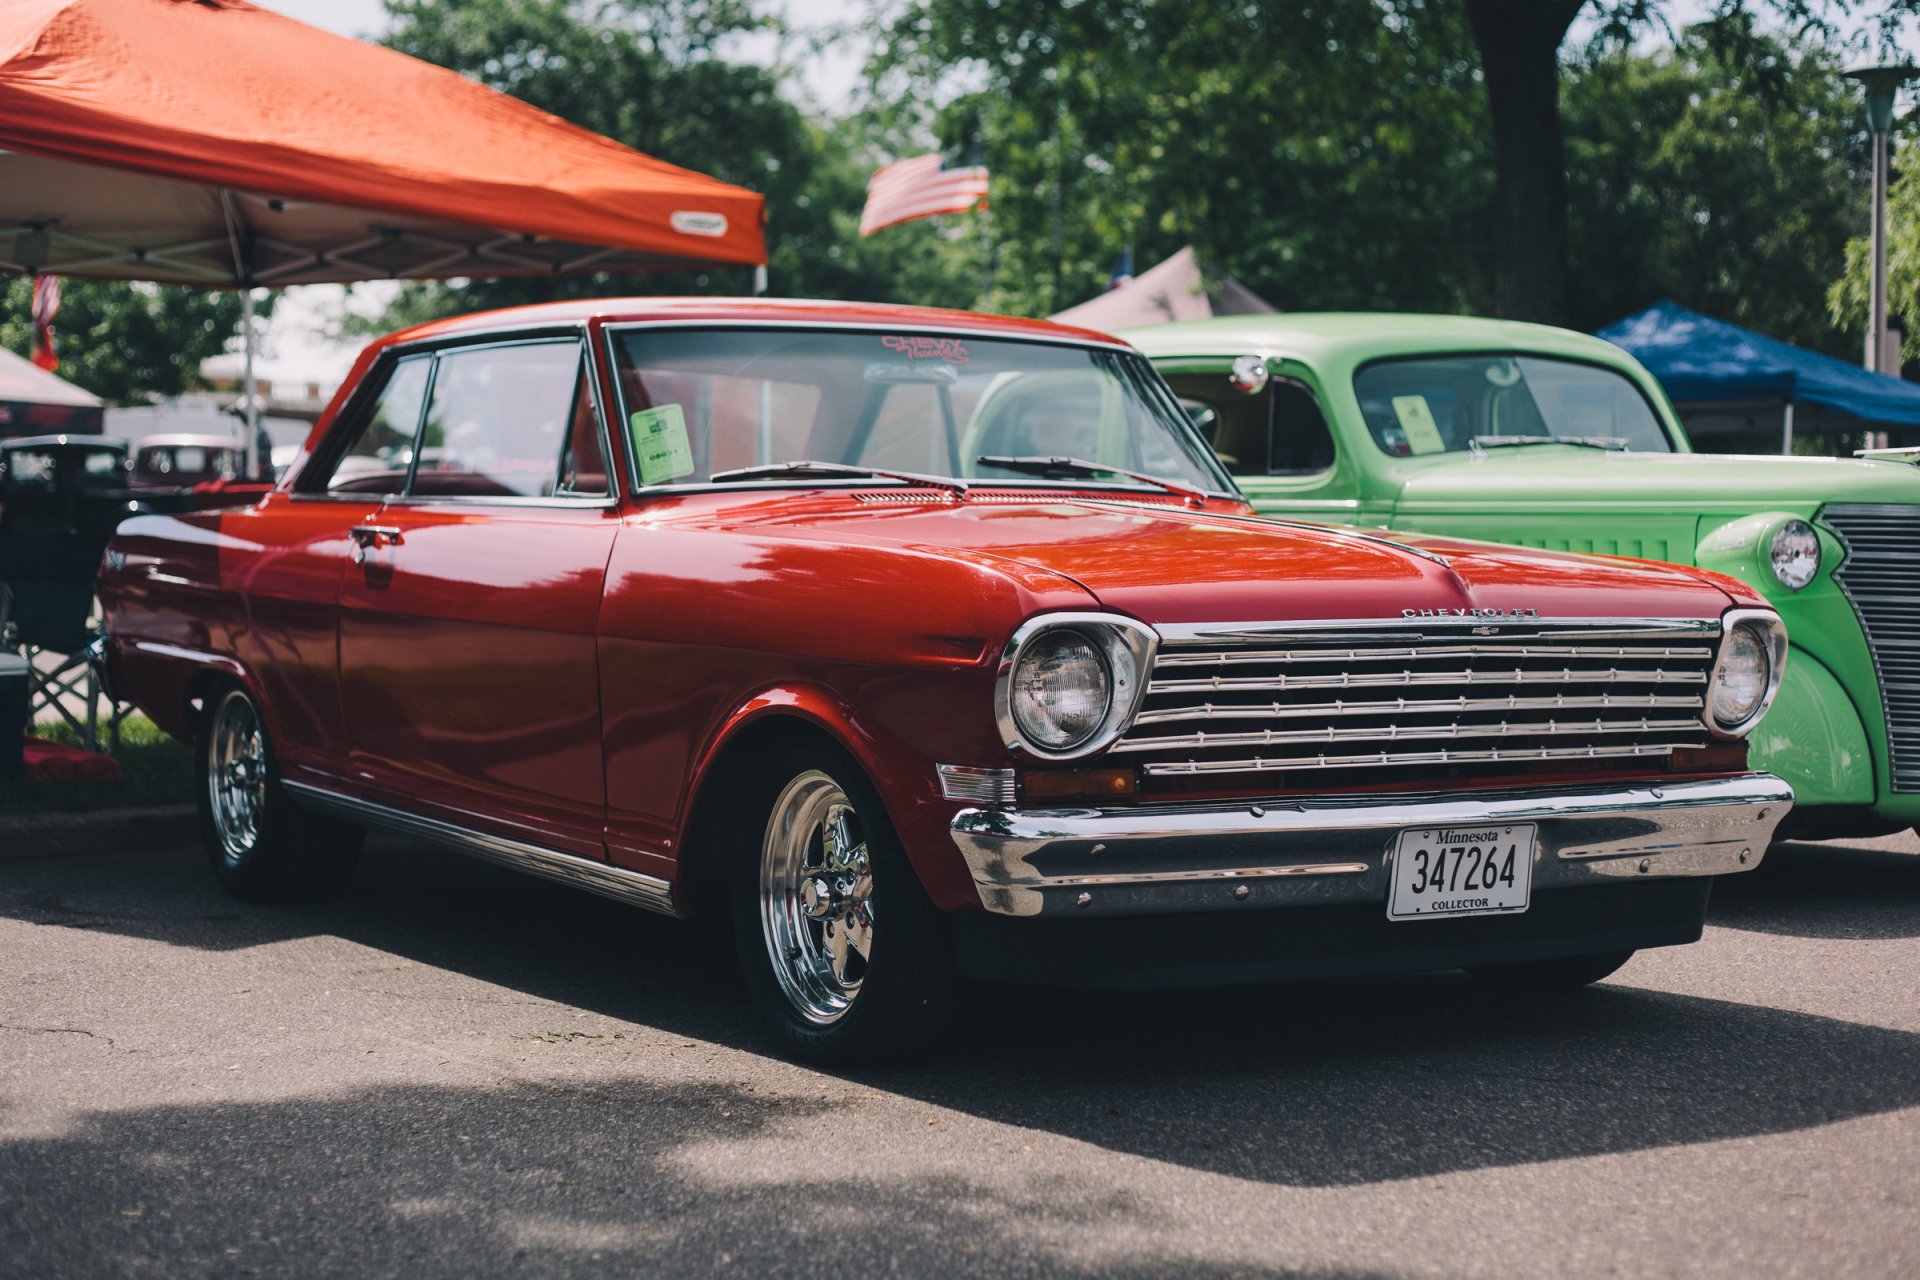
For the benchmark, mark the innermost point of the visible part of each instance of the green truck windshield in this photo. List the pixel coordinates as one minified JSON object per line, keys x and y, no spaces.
{"x":1444,"y":404}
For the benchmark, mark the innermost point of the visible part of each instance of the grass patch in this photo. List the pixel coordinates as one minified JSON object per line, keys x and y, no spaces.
{"x":154,"y":769}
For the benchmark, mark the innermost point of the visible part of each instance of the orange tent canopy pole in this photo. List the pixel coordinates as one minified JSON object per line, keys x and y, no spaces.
{"x":212,"y":142}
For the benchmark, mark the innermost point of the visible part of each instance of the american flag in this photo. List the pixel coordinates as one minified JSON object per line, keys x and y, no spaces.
{"x":920,"y":188}
{"x":46,"y":305}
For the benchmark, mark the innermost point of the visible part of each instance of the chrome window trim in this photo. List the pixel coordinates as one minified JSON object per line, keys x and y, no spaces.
{"x":605,"y":879}
{"x":432,"y":348}
{"x":1119,"y":636}
{"x":611,"y":329}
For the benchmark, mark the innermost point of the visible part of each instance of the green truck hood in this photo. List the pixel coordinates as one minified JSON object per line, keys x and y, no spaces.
{"x":1550,"y":478}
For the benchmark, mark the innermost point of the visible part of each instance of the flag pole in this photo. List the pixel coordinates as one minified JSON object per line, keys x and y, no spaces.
{"x":986,"y":255}
{"x":249,"y":398}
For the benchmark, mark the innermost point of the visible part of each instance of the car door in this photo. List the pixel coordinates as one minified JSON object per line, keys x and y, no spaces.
{"x":468,"y":659}
{"x":302,"y":545}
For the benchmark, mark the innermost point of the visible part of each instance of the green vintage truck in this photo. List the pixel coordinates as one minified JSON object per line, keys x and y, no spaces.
{"x":1546,"y":438}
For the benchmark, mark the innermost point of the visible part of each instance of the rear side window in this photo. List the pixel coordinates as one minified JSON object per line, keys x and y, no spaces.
{"x":1279,"y":432}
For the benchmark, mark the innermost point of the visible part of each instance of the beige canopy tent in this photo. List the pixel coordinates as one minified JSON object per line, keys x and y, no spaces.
{"x":34,"y":402}
{"x":1174,"y":290}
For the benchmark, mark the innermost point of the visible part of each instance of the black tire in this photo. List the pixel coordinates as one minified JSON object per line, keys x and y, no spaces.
{"x":904,"y":985}
{"x":1563,"y":973}
{"x":262,"y":847}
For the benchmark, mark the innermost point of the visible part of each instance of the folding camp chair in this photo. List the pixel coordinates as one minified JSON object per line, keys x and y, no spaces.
{"x":55,"y":627}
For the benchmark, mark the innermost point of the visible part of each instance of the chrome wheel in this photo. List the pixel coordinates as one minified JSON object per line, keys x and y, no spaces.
{"x":237,"y":776}
{"x":816,"y":890}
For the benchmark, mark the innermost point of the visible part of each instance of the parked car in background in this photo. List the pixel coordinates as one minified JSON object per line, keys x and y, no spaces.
{"x":920,"y":644}
{"x":63,"y":486}
{"x":1541,"y":437}
{"x":183,"y":461}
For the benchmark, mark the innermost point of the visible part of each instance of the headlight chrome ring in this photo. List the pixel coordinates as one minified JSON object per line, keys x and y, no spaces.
{"x":1069,"y":683}
{"x":1746,"y":672}
{"x":1793,"y":554}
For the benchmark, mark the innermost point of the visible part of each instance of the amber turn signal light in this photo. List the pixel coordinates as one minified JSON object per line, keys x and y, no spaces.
{"x":1080,"y":784}
{"x":1729,"y":757}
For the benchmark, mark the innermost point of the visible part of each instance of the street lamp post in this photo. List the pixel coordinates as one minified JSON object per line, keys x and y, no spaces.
{"x":1881,"y":84}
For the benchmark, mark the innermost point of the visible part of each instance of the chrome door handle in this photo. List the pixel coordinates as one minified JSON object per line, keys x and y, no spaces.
{"x":372,"y":537}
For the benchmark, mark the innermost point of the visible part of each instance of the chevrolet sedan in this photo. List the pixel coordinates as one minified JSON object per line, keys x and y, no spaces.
{"x":920,"y":646}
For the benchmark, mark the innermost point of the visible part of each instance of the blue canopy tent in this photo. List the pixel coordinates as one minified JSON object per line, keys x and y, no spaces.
{"x":1739,"y":391}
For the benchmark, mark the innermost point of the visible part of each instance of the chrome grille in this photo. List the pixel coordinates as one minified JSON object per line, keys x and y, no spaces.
{"x":1882,"y":542}
{"x":1429,"y":692}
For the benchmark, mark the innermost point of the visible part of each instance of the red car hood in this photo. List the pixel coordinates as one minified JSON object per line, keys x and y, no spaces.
{"x":1173,"y":565}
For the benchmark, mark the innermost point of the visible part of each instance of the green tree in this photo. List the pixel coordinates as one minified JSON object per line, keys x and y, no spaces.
{"x":1848,"y":299}
{"x":1328,"y":153}
{"x":1725,"y":173}
{"x":1520,"y":44}
{"x":127,"y":343}
{"x":653,"y":75}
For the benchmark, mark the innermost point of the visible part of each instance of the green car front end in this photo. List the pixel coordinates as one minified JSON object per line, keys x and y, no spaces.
{"x":1542,"y":437}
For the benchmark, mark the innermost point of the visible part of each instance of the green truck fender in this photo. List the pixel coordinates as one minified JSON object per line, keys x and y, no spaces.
{"x":1813,"y":734}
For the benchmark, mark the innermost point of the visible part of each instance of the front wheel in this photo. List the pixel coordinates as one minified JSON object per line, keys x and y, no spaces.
{"x":261,"y":848}
{"x":1562,"y":973}
{"x":844,"y":955}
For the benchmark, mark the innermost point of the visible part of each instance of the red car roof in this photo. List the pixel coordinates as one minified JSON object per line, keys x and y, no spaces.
{"x":744,"y":310}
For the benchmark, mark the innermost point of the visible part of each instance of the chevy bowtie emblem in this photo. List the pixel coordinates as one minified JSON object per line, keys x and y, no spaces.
{"x":1490,"y":615}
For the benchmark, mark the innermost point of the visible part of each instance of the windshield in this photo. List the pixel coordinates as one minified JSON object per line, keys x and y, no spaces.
{"x":1440,"y":404}
{"x":706,"y":402}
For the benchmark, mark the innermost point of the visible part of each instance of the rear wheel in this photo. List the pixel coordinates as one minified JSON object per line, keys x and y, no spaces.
{"x":1563,"y":973}
{"x":844,"y":955}
{"x":261,"y":848}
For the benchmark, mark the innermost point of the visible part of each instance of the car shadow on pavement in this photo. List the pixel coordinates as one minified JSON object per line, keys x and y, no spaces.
{"x":1313,"y":1084}
{"x":1835,"y":890}
{"x":612,"y":1178}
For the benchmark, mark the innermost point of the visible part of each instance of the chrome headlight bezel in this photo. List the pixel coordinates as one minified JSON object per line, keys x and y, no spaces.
{"x":1772,"y":635}
{"x":1127,"y":646}
{"x":1792,"y":528}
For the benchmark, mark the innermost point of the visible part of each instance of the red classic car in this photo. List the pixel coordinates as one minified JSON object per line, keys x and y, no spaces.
{"x":926,"y":645}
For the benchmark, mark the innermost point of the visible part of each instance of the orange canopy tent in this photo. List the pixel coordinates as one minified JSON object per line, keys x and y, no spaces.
{"x":212,"y":142}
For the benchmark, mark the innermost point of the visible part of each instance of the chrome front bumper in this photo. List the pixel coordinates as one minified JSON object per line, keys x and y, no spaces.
{"x":1214,"y":857}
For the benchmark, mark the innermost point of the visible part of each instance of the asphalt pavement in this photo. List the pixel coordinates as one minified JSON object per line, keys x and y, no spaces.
{"x":453,"y":1071}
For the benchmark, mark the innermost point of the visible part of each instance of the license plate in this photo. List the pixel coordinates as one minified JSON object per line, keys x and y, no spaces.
{"x":1440,"y":872}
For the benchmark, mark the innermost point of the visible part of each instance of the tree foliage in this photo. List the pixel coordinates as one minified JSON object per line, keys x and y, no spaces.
{"x":1726,"y":173}
{"x":1848,"y":301}
{"x":654,"y":75}
{"x":127,"y":343}
{"x":1328,"y":153}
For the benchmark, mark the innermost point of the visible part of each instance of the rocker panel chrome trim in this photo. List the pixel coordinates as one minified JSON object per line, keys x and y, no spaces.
{"x":632,"y":887}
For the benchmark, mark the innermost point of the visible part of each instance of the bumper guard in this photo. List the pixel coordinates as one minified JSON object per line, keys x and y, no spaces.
{"x":1221,"y":857}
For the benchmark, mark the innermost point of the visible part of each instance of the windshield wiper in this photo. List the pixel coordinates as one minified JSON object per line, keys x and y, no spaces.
{"x":1613,"y":444}
{"x":1061,"y":468}
{"x":808,"y":467}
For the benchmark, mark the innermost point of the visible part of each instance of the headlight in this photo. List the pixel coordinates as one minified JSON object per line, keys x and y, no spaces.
{"x":1795,"y":554}
{"x":1062,"y":691}
{"x":1069,"y":683}
{"x":1747,"y":673}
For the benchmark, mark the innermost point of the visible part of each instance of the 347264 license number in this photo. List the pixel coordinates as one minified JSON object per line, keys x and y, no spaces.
{"x":1440,"y":871}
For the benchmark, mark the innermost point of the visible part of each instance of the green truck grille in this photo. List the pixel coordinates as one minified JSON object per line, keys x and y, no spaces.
{"x":1882,"y":541}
